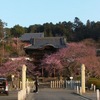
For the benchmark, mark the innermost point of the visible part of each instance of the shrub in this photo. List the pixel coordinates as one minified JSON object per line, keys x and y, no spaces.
{"x":94,"y":81}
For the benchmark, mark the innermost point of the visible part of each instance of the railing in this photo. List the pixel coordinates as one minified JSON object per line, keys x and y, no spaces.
{"x":57,"y":84}
{"x":28,"y":83}
{"x":65,"y":84}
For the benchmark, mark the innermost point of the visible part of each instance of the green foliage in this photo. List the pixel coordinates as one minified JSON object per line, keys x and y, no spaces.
{"x":94,"y":81}
{"x":8,"y":48}
{"x":0,"y":45}
{"x":17,"y":31}
{"x":14,"y":54}
{"x":30,"y":78}
{"x":73,"y":31}
{"x":78,"y":77}
{"x":1,"y":29}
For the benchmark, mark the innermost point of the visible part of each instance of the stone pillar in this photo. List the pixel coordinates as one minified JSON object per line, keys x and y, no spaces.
{"x":27,"y":83}
{"x":98,"y":94}
{"x":23,"y":77}
{"x":83,"y":78}
{"x":51,"y":84}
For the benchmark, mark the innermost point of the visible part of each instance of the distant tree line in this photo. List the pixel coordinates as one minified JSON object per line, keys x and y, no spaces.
{"x":73,"y":31}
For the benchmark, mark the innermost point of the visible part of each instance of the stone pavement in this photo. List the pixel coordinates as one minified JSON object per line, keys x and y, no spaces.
{"x":90,"y":95}
{"x":85,"y":96}
{"x":30,"y":96}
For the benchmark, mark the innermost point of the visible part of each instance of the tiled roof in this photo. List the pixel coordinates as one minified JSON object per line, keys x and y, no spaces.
{"x":28,"y":36}
{"x":56,"y":42}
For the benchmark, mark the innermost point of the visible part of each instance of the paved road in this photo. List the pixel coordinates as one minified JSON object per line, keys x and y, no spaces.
{"x":55,"y":94}
{"x":12,"y":96}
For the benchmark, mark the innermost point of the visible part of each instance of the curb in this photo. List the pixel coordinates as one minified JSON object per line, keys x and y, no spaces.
{"x":86,"y":98}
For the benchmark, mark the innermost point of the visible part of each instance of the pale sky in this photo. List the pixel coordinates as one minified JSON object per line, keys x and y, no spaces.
{"x":30,"y":12}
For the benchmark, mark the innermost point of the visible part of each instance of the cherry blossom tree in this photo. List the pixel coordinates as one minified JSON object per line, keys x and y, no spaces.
{"x":15,"y":67}
{"x":52,"y":64}
{"x":71,"y":58}
{"x":81,"y":53}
